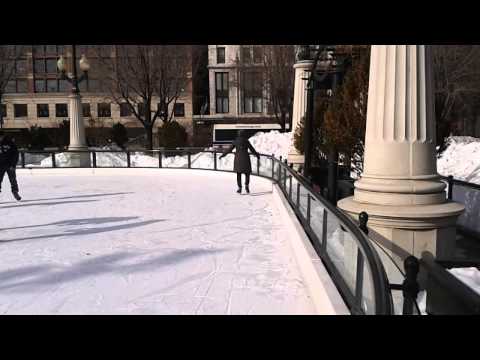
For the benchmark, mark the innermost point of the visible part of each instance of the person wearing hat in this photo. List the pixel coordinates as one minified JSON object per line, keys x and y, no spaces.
{"x":242,"y":164}
{"x":8,"y":163}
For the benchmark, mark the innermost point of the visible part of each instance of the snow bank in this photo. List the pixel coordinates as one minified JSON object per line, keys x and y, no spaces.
{"x":268,"y":143}
{"x":461,"y":159}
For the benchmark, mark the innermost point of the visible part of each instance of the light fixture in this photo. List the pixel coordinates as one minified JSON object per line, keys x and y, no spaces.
{"x":84,"y":65}
{"x":61,"y":64}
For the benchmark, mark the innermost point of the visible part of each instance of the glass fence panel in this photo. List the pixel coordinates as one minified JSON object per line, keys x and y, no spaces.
{"x":265,"y":166}
{"x":342,"y":250}
{"x":303,"y":205}
{"x":392,"y":265}
{"x":226,"y":163}
{"x":144,"y":159}
{"x":111,"y":159}
{"x":254,"y":161}
{"x":470,"y":197}
{"x":73,"y":159}
{"x":33,"y":160}
{"x":202,"y":160}
{"x":368,"y":293}
{"x":317,"y":213}
{"x":174,"y":159}
{"x":276,"y":168}
{"x":294,"y":191}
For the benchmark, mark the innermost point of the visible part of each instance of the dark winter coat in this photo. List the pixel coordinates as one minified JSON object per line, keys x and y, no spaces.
{"x":8,"y":153}
{"x":242,"y":162}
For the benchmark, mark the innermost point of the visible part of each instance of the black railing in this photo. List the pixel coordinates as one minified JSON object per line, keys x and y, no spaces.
{"x":347,"y":253}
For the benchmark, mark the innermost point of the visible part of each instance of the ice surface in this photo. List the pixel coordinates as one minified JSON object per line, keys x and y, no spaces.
{"x":177,"y":242}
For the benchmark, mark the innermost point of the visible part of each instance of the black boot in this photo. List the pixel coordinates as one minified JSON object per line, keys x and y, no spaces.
{"x":16,"y":196}
{"x":247,"y":189}
{"x":239,"y":190}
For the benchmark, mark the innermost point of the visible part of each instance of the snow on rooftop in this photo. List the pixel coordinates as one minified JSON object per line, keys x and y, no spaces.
{"x":177,"y":242}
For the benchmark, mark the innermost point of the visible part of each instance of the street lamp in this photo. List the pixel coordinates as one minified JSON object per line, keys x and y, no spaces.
{"x":77,"y":127}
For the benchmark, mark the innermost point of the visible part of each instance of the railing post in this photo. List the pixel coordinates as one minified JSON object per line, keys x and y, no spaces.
{"x":298,"y":195}
{"x":214,"y":160}
{"x":258,"y":165}
{"x":285,"y":175}
{"x":450,"y":187}
{"x":308,"y":208}
{"x":160,"y":159}
{"x":290,"y":191}
{"x":22,"y":156}
{"x":128,"y":158}
{"x":53,"y":161}
{"x":363,"y":220}
{"x":410,"y":287}
{"x":273,"y":167}
{"x":94,"y":159}
{"x":189,"y":160}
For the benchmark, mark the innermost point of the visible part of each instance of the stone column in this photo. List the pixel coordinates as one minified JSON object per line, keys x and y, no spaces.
{"x":400,"y":188}
{"x":302,"y":70}
{"x":77,"y":133}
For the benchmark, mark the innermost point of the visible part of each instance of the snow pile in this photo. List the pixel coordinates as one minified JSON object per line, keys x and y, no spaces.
{"x":469,"y":276}
{"x":461,"y":159}
{"x":272,"y":142}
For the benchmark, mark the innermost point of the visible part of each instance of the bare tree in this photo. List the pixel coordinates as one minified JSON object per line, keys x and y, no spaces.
{"x":138,"y":76}
{"x":280,"y":80}
{"x":457,"y":85}
{"x":8,"y":56}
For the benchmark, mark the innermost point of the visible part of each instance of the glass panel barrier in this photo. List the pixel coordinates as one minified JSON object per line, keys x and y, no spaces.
{"x":174,"y":159}
{"x":144,"y":159}
{"x":203,"y":160}
{"x":317,"y":213}
{"x":111,"y":159}
{"x":35,"y":160}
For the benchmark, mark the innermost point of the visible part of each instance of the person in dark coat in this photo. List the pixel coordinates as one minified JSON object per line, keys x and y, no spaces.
{"x":242,"y":164}
{"x":8,"y":163}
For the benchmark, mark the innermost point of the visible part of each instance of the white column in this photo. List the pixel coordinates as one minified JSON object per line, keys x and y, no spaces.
{"x":302,"y":71}
{"x":77,"y":126}
{"x":400,"y":188}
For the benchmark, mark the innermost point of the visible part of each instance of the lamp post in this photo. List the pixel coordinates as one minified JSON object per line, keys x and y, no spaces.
{"x":77,"y":127}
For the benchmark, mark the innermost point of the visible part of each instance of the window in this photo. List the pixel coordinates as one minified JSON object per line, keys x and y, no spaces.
{"x":42,"y":110}
{"x":141,"y":109}
{"x":51,"y":66}
{"x":39,"y":50}
{"x":39,"y":85}
{"x":86,"y":110}
{"x":3,"y":110}
{"x":252,"y":92}
{"x":220,"y":55}
{"x":257,"y":54}
{"x":125,"y":110}
{"x":11,"y":87}
{"x":103,"y":110}
{"x":39,"y":66}
{"x":20,"y":110}
{"x":52,"y":85}
{"x":221,"y":92}
{"x":21,"y":67}
{"x":93,"y":85}
{"x":161,"y":108}
{"x":179,"y":110}
{"x":63,"y":85}
{"x":246,"y":54}
{"x":51,"y":49}
{"x":22,"y":86}
{"x":61,"y":110}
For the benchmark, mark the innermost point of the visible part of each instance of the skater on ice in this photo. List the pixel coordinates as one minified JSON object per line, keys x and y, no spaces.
{"x":242,"y":164}
{"x":8,"y":163}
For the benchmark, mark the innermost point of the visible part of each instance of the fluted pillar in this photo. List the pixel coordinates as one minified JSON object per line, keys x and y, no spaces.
{"x":302,"y":71}
{"x":400,"y":188}
{"x":77,"y":133}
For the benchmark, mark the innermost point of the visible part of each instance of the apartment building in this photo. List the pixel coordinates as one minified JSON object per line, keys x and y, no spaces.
{"x":37,"y":95}
{"x":238,"y":98}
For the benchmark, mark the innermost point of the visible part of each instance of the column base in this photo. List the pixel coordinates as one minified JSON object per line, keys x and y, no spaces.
{"x":80,"y":159}
{"x":410,"y":229}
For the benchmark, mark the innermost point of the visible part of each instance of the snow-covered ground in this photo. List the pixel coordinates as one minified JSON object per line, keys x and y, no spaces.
{"x":177,"y":242}
{"x":461,"y":159}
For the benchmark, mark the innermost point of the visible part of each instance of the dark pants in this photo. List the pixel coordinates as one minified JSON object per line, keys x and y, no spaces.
{"x":239,"y":179}
{"x":12,"y":176}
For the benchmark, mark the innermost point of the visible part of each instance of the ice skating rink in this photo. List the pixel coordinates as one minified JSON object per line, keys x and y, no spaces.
{"x":177,"y":242}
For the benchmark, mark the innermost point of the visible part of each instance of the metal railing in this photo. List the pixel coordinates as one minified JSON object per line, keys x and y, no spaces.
{"x":345,"y":250}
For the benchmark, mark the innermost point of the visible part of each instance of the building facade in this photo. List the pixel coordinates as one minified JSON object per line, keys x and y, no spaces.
{"x":37,"y":95}
{"x":237,"y":98}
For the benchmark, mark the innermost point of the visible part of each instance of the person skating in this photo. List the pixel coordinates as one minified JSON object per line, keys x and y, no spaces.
{"x":242,"y":164}
{"x":8,"y":163}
